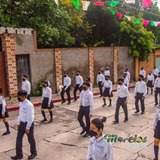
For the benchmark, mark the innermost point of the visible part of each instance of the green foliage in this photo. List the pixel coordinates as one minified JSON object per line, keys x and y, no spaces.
{"x":99,"y":44}
{"x":139,"y":40}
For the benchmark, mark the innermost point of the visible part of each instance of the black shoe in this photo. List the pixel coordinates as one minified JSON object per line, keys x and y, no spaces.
{"x":32,"y":156}
{"x":115,"y":122}
{"x":50,"y":121}
{"x":125,"y":120}
{"x":155,"y":104}
{"x":86,"y":135}
{"x":142,"y":112}
{"x":136,"y":111}
{"x":7,"y":132}
{"x":83,"y":131}
{"x":16,"y":157}
{"x":104,"y":105}
{"x":110,"y":105}
{"x":74,"y":100}
{"x":68,"y":103}
{"x":44,"y":120}
{"x":63,"y":102}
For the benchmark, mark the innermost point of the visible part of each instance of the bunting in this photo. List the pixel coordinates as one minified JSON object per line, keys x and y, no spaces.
{"x":130,"y":1}
{"x":145,"y":23}
{"x":137,"y":20}
{"x":85,"y":5}
{"x":112,"y":11}
{"x":56,"y":1}
{"x":129,"y":18}
{"x":146,"y":3}
{"x":114,"y":3}
{"x":76,"y":3}
{"x":119,"y":15}
{"x":99,"y":3}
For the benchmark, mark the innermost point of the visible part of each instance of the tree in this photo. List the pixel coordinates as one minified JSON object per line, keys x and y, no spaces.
{"x":139,"y":40}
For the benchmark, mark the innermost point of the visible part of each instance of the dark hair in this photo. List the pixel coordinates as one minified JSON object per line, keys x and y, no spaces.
{"x":22,"y":93}
{"x":46,"y":82}
{"x":88,"y":79}
{"x":1,"y":90}
{"x":121,"y":79}
{"x":107,"y":76}
{"x":126,"y":69}
{"x":87,"y":84}
{"x":25,"y":76}
{"x":141,"y":76}
{"x":79,"y":71}
{"x":99,"y":122}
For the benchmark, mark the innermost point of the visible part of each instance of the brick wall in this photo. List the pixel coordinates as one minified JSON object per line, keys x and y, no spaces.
{"x":91,"y":64}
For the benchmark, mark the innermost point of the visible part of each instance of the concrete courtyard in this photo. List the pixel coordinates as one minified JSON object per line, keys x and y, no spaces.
{"x":61,"y":140}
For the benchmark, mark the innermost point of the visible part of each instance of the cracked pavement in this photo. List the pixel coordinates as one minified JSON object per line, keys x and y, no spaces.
{"x":61,"y":140}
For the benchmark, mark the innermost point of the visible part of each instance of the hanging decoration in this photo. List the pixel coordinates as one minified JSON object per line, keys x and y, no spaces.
{"x":146,"y":3}
{"x":137,"y":20}
{"x":85,"y":5}
{"x":119,"y":15}
{"x":99,"y":3}
{"x":77,"y":4}
{"x":145,"y":23}
{"x":114,"y":3}
{"x":56,"y":1}
{"x":130,"y":1}
{"x":112,"y":11}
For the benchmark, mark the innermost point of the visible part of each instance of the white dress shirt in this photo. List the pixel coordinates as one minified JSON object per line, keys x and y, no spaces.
{"x":157,"y":83}
{"x":157,"y":118}
{"x":122,"y":92}
{"x":26,"y":113}
{"x":150,"y":78}
{"x":107,"y":73}
{"x":107,"y":84}
{"x":79,"y":80}
{"x":86,"y":99}
{"x":26,"y":86}
{"x":143,"y":73}
{"x":140,"y":88}
{"x":100,"y":78}
{"x":99,"y":149}
{"x":3,"y":103}
{"x":128,"y":76}
{"x":126,"y":81}
{"x":67,"y":82}
{"x":155,"y":71}
{"x":47,"y":92}
{"x":90,"y":88}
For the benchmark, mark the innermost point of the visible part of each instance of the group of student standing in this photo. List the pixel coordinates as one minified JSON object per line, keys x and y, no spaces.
{"x":93,"y":129}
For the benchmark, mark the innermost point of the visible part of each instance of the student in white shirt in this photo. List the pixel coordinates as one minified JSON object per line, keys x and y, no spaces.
{"x":126,"y":81}
{"x":155,"y":72}
{"x":26,"y":86}
{"x":4,"y":113}
{"x":100,"y":80}
{"x":156,"y":129}
{"x":99,"y":148}
{"x":128,"y":74}
{"x":107,"y":91}
{"x":25,"y":124}
{"x":66,"y":88}
{"x":157,"y":89}
{"x":122,"y":100}
{"x":86,"y":109}
{"x":47,"y":102}
{"x":150,"y":82}
{"x":89,"y":80}
{"x":78,"y":85}
{"x":140,"y":92}
{"x":107,"y":71}
{"x":142,"y":72}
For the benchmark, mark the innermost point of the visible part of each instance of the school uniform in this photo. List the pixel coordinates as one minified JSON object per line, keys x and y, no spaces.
{"x":150,"y":81}
{"x":86,"y":108}
{"x":27,"y":87}
{"x":99,"y":149}
{"x":140,"y":91}
{"x":123,"y":96}
{"x":126,"y":82}
{"x":25,"y":121}
{"x":143,"y":73}
{"x":157,"y":124}
{"x":90,"y":88}
{"x":100,"y":80}
{"x":66,"y":88}
{"x":128,"y":76}
{"x":107,"y":88}
{"x":78,"y":86}
{"x":3,"y":108}
{"x":107,"y":72}
{"x":155,"y":73}
{"x":157,"y":89}
{"x":47,"y":98}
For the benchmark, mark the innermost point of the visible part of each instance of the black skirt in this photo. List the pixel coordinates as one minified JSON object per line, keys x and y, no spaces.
{"x":45,"y":103}
{"x":157,"y":131}
{"x":149,"y":84}
{"x":106,"y":93}
{"x":5,"y":114}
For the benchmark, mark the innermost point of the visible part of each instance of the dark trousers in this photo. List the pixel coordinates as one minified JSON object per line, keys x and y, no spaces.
{"x":157,"y":91}
{"x":100,"y":87}
{"x":67,"y":92}
{"x":28,"y":97}
{"x":84,"y":111}
{"x":121,"y":102}
{"x":155,"y":76}
{"x":139,"y":96}
{"x":31,"y":140}
{"x":75,"y":90}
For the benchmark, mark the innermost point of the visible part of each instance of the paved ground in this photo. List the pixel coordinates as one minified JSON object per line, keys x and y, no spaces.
{"x":61,"y":140}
